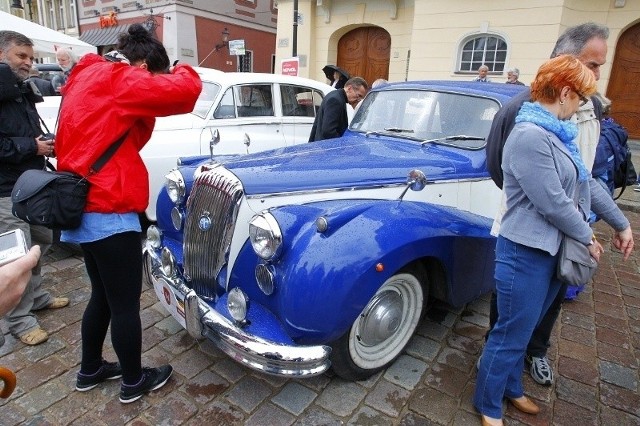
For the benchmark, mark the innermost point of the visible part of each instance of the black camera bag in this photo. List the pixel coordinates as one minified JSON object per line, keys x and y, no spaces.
{"x":55,"y":199}
{"x":52,"y":199}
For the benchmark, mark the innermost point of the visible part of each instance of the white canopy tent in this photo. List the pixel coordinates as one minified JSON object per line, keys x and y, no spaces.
{"x":45,"y":40}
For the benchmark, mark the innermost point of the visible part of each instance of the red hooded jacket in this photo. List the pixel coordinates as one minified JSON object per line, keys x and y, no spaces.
{"x":101,"y":101}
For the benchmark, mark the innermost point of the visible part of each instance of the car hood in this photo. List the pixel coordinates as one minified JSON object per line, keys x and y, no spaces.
{"x":177,"y":122}
{"x":352,"y":161}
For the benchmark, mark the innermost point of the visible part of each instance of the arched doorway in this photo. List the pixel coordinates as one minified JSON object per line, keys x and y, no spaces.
{"x":365,"y":52}
{"x":624,"y":82}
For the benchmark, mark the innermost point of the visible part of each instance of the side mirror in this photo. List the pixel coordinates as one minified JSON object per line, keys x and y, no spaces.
{"x":416,"y":181}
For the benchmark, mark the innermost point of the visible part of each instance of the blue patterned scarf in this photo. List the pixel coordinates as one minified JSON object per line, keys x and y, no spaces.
{"x":566,"y":131}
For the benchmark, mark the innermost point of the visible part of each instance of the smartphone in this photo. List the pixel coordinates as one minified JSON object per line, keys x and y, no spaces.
{"x":13,"y":245}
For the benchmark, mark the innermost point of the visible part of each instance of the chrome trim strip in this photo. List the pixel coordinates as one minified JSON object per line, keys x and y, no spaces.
{"x":354,"y":188}
{"x":252,"y":351}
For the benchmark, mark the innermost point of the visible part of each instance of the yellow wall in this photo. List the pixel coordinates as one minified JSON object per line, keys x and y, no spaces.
{"x":432,"y":31}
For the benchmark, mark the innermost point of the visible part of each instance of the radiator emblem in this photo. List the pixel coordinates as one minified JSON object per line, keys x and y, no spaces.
{"x":205,"y":221}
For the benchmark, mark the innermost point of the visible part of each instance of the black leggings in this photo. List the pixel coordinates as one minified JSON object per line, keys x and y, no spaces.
{"x":114,"y":265}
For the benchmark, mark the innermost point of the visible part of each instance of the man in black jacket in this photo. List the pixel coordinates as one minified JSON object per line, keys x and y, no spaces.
{"x":588,"y":43}
{"x":22,"y":147}
{"x":331,"y":120}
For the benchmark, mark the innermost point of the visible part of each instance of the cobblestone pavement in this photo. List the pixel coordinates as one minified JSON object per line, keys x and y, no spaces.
{"x":595,"y":353}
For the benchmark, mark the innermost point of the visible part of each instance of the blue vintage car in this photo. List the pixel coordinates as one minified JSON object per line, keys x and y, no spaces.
{"x":325,"y":254}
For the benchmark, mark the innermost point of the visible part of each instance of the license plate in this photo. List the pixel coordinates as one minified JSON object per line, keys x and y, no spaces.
{"x":171,"y":302}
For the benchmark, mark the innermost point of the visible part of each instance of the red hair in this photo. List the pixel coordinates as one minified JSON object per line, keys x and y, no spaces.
{"x":561,"y":71}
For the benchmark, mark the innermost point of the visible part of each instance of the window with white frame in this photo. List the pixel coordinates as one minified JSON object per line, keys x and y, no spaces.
{"x":73,"y":17}
{"x":61,"y":17}
{"x":245,"y":62}
{"x":486,"y":49}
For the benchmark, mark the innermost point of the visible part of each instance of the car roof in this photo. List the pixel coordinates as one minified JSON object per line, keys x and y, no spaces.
{"x":217,"y":76}
{"x":500,"y":91}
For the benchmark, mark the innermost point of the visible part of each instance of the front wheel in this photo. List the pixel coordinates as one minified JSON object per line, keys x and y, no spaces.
{"x":383,"y":329}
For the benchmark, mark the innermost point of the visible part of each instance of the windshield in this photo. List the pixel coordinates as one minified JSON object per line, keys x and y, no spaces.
{"x":206,"y":98}
{"x":427,"y":116}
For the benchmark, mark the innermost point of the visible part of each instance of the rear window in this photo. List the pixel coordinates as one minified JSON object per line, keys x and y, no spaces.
{"x":300,"y":101}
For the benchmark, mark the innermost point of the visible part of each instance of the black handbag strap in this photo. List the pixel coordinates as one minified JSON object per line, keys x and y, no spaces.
{"x":100,"y":162}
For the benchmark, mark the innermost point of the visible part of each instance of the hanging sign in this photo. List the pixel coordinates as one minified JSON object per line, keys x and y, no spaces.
{"x":236,"y":47}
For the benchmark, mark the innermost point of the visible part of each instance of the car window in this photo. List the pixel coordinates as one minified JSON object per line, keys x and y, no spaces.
{"x":299,"y":101}
{"x":254,"y":100}
{"x":424,"y":115}
{"x":206,"y":98}
{"x":226,"y":108}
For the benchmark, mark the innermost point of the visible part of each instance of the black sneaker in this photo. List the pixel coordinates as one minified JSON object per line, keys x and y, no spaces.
{"x":108,"y":371}
{"x":152,"y":379}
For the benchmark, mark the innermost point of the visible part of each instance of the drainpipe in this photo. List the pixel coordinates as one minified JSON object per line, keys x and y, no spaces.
{"x":295,"y":28}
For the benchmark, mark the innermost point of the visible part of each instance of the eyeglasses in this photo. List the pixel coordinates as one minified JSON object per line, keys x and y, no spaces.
{"x":583,"y":99}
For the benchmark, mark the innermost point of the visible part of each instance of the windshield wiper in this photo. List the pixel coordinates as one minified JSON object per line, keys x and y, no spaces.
{"x":397,"y":130}
{"x":454,"y":138}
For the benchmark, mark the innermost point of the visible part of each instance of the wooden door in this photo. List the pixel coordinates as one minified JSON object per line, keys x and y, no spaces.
{"x":624,"y":82}
{"x":365,"y":52}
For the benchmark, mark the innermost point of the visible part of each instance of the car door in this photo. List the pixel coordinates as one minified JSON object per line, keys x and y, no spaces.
{"x":299,"y":107}
{"x":246,"y":121}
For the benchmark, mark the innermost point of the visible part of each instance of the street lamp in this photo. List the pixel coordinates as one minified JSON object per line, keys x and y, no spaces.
{"x":225,"y":40}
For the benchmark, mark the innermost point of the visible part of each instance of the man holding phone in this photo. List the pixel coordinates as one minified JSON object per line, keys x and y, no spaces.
{"x":22,"y":147}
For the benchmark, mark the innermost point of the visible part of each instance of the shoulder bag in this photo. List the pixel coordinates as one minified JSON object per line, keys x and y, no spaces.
{"x":575,"y":264}
{"x":55,"y":199}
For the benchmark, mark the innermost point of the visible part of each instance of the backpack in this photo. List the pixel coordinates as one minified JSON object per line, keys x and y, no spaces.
{"x":612,"y":163}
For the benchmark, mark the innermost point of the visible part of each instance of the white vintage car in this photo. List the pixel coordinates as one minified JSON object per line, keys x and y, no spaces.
{"x":251,"y":112}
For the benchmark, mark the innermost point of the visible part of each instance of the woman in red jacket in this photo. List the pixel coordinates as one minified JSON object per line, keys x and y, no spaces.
{"x":103,"y":99}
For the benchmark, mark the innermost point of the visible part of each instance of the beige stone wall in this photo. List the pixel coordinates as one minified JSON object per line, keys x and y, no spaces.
{"x":433,"y":30}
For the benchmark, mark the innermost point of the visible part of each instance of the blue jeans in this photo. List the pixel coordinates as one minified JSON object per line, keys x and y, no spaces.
{"x":526,"y":285}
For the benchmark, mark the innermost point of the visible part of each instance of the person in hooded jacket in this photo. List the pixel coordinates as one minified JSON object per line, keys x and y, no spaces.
{"x":103,"y":99}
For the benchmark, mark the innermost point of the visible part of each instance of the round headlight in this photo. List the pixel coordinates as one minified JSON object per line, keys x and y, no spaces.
{"x":175,"y":186}
{"x":265,"y":236}
{"x":154,"y":237}
{"x":237,"y":304}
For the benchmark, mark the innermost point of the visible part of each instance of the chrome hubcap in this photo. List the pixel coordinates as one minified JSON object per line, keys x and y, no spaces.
{"x":381,"y":318}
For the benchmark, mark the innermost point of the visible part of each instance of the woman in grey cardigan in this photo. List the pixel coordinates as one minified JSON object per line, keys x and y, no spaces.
{"x":542,"y":172}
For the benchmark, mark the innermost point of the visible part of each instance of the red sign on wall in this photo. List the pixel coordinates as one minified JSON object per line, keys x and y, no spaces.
{"x":290,"y":66}
{"x":110,"y":20}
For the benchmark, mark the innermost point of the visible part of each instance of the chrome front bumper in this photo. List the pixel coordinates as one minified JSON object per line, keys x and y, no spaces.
{"x":254,"y":352}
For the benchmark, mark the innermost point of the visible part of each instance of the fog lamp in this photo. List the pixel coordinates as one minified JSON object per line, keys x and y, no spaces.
{"x":168,"y":263}
{"x":176,"y":218}
{"x":237,"y":304}
{"x":265,"y":277}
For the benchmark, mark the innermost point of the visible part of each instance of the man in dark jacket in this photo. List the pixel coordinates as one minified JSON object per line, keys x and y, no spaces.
{"x":22,"y":147}
{"x":331,"y":120}
{"x":588,"y":43}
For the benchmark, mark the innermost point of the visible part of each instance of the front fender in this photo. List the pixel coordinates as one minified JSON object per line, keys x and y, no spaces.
{"x":323,"y":280}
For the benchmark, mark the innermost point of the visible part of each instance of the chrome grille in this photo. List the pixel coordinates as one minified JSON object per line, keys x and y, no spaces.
{"x":212,"y":209}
